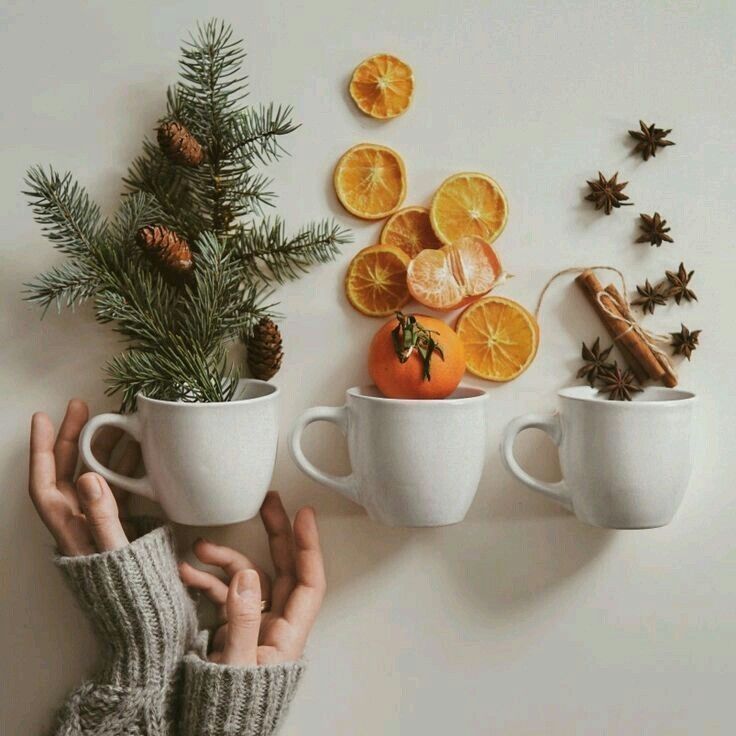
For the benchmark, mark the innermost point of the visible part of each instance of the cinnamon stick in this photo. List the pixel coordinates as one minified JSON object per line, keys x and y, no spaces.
{"x":617,"y":326}
{"x":669,"y":378}
{"x":636,"y":367}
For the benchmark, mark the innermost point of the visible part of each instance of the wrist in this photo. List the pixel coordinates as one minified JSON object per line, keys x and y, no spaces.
{"x":138,"y":606}
{"x":243,"y":699}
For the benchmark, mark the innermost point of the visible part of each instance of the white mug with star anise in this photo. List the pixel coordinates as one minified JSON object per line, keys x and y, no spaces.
{"x":625,"y":464}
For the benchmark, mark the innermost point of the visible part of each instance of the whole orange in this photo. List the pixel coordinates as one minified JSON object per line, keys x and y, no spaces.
{"x":416,"y":357}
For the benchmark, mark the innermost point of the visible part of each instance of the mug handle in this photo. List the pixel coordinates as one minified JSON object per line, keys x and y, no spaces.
{"x":128,"y":423}
{"x":337,"y":415}
{"x":549,"y":423}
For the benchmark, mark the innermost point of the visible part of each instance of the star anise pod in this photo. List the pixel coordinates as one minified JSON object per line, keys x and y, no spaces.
{"x":595,"y":361}
{"x":679,"y":284}
{"x":654,"y":230}
{"x":607,"y":194}
{"x":649,"y":297}
{"x":649,"y":138}
{"x":619,"y":385}
{"x":684,"y":341}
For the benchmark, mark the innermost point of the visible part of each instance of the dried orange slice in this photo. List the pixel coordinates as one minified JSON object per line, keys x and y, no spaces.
{"x":500,"y":338}
{"x":410,"y":230}
{"x":370,"y":181}
{"x":468,"y":204}
{"x":454,"y":275}
{"x":375,"y":283}
{"x":382,"y":86}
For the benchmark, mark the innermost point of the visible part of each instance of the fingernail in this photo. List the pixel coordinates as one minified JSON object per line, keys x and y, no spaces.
{"x":247,"y":582}
{"x":90,"y":488}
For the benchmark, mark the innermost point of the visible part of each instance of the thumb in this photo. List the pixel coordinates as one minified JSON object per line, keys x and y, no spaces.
{"x":243,"y":609}
{"x":101,"y":511}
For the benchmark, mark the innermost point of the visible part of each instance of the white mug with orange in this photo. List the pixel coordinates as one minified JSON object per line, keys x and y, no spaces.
{"x":415,"y":462}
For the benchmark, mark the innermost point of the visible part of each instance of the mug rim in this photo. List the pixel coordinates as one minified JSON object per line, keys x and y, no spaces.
{"x":583,"y":393}
{"x":479,"y":394}
{"x":273,"y":393}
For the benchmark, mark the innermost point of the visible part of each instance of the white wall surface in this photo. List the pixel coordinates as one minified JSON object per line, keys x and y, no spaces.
{"x":521,"y":620}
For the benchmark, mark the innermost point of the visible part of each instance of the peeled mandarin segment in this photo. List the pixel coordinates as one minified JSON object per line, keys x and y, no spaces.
{"x":479,"y":263}
{"x":410,"y":230}
{"x":370,"y":181}
{"x":500,"y":338}
{"x":432,"y":282}
{"x":444,"y":279}
{"x":375,"y":283}
{"x":382,"y":86}
{"x":468,"y":204}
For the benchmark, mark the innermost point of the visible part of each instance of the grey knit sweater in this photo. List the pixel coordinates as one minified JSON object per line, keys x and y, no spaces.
{"x":155,"y":680}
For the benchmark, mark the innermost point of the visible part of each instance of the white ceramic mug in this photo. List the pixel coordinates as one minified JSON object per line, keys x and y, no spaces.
{"x":625,"y":464}
{"x":207,"y":464}
{"x":414,"y":462}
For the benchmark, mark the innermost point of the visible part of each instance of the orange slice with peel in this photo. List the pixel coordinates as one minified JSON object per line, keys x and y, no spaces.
{"x":454,"y":275}
{"x":370,"y":181}
{"x":468,"y":204}
{"x":382,"y":86}
{"x":375,"y":283}
{"x":500,"y":338}
{"x":410,"y":230}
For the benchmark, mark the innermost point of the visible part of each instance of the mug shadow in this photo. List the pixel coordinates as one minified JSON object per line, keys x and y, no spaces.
{"x":515,"y":546}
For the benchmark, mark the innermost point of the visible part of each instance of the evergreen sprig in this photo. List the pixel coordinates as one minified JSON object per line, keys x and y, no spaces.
{"x":68,"y":217}
{"x":177,"y":335}
{"x":267,"y":253}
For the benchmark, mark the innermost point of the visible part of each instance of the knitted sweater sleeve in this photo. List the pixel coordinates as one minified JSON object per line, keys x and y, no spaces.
{"x":146,"y":622}
{"x":223,"y":700}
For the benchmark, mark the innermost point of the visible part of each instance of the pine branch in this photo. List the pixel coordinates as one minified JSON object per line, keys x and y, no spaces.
{"x":136,"y":210}
{"x":218,"y":306}
{"x":255,"y":134}
{"x":88,"y":271}
{"x":153,"y":173}
{"x":251,"y":196}
{"x":141,"y":308}
{"x":178,"y":336}
{"x":68,"y":217}
{"x":209,"y":102}
{"x":212,"y":85}
{"x":176,"y":372}
{"x":265,"y":252}
{"x":68,"y":285}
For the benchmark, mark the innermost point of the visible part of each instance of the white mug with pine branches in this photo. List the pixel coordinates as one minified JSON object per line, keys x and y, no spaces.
{"x":207,"y":463}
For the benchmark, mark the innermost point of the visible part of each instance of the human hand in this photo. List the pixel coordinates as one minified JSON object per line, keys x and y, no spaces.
{"x":246,"y":636}
{"x":85,"y":518}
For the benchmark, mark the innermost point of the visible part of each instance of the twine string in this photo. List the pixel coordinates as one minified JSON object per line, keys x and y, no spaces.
{"x":652,"y":339}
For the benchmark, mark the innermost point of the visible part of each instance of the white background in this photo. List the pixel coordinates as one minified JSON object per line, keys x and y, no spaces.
{"x":521,"y":620}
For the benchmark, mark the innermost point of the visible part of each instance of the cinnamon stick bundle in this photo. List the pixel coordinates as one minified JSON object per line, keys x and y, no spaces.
{"x":669,"y":378}
{"x":629,"y":340}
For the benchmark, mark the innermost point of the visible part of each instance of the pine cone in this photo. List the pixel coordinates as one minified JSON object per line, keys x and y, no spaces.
{"x":166,"y":249}
{"x":264,"y":350}
{"x":179,"y":145}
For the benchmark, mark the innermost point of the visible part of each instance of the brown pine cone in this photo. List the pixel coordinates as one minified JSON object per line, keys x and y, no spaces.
{"x":166,"y":249}
{"x":265,"y":350}
{"x":179,"y":145}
